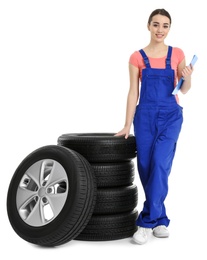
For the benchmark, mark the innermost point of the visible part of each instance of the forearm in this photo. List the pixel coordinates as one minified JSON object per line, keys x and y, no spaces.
{"x":186,"y":73}
{"x":186,"y":85}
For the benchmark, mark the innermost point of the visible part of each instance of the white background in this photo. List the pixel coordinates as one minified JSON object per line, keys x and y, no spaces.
{"x":64,"y":69}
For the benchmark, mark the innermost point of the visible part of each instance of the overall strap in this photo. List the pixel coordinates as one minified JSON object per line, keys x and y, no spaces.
{"x":168,"y":59}
{"x":146,"y":60}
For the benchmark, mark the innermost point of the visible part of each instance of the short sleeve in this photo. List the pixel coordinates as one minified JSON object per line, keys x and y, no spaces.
{"x":179,"y":54}
{"x":134,"y":59}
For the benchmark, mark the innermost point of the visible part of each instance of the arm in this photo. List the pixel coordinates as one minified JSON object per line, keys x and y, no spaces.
{"x":132,"y":99}
{"x":185,"y":72}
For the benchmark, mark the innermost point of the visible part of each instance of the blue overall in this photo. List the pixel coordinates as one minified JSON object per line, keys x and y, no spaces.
{"x":157,"y":123}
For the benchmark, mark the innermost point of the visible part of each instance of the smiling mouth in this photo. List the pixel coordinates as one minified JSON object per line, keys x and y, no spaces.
{"x":159,"y":35}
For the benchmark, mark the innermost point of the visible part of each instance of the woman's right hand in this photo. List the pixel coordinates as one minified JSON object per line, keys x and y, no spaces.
{"x":124,"y":132}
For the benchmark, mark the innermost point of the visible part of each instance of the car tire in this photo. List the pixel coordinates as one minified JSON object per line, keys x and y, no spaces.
{"x":110,"y":227}
{"x":114,"y":174}
{"x":116,"y":200}
{"x":51,"y":196}
{"x":100,"y":147}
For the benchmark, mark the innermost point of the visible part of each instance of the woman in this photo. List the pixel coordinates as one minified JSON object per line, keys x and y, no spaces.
{"x":157,"y":119}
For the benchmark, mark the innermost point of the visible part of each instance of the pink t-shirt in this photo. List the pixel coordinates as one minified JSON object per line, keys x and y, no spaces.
{"x":176,"y":58}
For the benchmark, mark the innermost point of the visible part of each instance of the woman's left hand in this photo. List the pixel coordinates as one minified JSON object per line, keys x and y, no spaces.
{"x":187,"y":71}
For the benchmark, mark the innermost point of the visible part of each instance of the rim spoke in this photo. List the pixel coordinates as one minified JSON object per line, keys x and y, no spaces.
{"x":36,"y":216}
{"x":34,"y":172}
{"x":57,"y":202}
{"x":57,"y":174}
{"x":24,"y":196}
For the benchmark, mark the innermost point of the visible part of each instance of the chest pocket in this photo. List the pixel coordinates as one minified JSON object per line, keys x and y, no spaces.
{"x":156,"y":87}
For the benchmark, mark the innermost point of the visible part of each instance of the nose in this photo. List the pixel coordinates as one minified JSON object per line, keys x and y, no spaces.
{"x":159,"y":29}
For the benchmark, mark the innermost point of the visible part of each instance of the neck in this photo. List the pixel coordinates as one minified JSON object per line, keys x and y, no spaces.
{"x":156,"y":46}
{"x":157,"y":50}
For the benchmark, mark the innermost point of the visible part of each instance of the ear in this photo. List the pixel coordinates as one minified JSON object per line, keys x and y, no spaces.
{"x":148,"y":27}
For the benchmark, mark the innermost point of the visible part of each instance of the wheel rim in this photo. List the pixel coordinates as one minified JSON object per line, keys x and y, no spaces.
{"x":42,"y":192}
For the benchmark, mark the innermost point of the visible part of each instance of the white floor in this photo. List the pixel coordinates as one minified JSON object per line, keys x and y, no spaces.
{"x":184,"y":242}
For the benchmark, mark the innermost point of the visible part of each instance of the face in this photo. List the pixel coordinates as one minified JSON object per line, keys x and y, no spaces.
{"x":159,"y":27}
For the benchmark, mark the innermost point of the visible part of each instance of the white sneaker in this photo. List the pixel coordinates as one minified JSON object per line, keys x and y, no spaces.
{"x":140,"y":237}
{"x":160,"y":231}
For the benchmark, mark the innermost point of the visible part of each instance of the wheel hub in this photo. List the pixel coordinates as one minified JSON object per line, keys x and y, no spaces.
{"x":41,"y":192}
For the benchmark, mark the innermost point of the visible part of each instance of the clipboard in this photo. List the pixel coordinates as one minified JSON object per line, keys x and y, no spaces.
{"x":180,"y":82}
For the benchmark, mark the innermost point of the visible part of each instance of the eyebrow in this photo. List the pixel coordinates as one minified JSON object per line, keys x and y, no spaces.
{"x":159,"y":23}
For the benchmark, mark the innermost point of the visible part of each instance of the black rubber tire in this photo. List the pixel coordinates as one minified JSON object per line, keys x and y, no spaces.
{"x":114,"y":174}
{"x":110,"y":227}
{"x":79,"y":205}
{"x":116,"y":200}
{"x":100,"y":147}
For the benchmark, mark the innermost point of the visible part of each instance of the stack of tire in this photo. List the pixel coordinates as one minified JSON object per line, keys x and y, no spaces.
{"x":111,"y":158}
{"x":80,"y":188}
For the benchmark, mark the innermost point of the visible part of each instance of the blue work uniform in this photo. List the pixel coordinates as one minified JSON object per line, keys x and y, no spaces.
{"x":157,"y":123}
